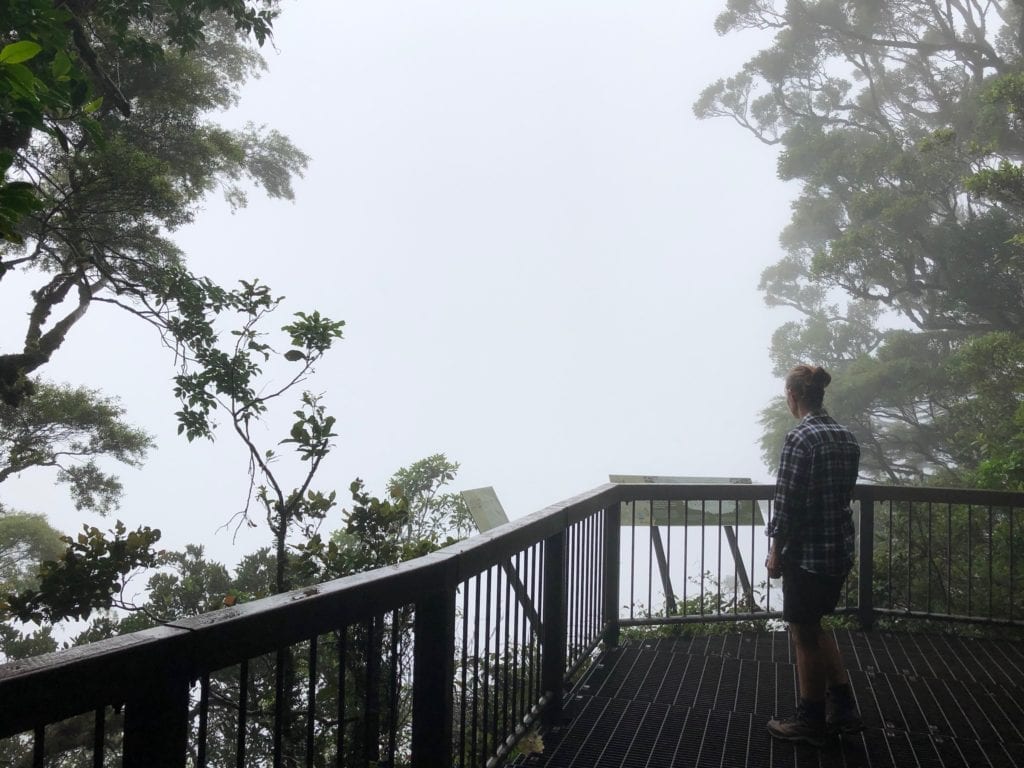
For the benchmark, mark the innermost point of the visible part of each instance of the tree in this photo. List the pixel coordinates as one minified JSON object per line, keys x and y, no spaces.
{"x":53,"y":77}
{"x":372,"y":533}
{"x":434,"y":515}
{"x":109,"y":180}
{"x":904,"y":252}
{"x":25,"y":541}
{"x":227,"y":378}
{"x":68,"y":428}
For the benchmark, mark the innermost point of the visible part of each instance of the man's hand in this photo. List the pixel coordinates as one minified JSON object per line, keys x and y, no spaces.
{"x":773,"y":563}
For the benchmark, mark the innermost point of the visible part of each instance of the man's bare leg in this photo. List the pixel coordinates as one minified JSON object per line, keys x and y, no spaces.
{"x":809,"y":722}
{"x":811,"y":666}
{"x":835,"y":672}
{"x":842,"y":712}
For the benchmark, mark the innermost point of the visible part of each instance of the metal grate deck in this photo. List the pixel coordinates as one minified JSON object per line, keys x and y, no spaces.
{"x":926,"y":701}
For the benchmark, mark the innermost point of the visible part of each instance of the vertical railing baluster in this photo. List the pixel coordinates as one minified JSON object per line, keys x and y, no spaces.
{"x":586,"y":580}
{"x":553,"y":653}
{"x":371,"y":703}
{"x":517,"y":699}
{"x":476,"y":669}
{"x":596,"y":583}
{"x":156,"y":723}
{"x":768,"y":581}
{"x":686,"y":551}
{"x":612,"y":533}
{"x":650,"y":557}
{"x":243,"y":713}
{"x":524,"y":629}
{"x":487,"y":666}
{"x":703,"y":548}
{"x":990,"y":558}
{"x":433,"y":672}
{"x":910,"y":554}
{"x":970,"y":560}
{"x":498,"y":661}
{"x":341,"y":643}
{"x":39,"y":747}
{"x":204,"y":716}
{"x":579,"y":562}
{"x":735,"y":550}
{"x":393,"y":679}
{"x":949,"y":558}
{"x":718,"y":586}
{"x":1011,"y":511}
{"x":586,"y":591}
{"x":756,"y":505}
{"x":632,"y":559}
{"x":570,"y":590}
{"x":99,"y":738}
{"x":508,"y":699}
{"x":931,"y":558}
{"x":280,"y":703}
{"x":537,"y":640}
{"x":866,"y":559}
{"x":668,"y":557}
{"x":889,"y":571}
{"x":463,"y":691}
{"x":311,"y":703}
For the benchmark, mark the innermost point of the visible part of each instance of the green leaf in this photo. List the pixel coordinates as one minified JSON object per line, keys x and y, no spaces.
{"x":294,"y":355}
{"x":93,"y":105}
{"x":15,"y":53}
{"x":61,"y":65}
{"x":21,"y":79}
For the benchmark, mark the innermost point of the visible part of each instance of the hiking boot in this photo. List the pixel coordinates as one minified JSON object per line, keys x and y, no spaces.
{"x":848,"y":723}
{"x":803,"y":726}
{"x":841,"y":712}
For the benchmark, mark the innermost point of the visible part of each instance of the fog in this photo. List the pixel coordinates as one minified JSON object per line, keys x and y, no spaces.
{"x":547,"y":266}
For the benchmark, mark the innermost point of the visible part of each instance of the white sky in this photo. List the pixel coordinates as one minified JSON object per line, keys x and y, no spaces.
{"x":548,"y":267}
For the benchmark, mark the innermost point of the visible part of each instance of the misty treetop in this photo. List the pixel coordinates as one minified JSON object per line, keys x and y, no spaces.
{"x":904,"y":256}
{"x":108,"y":144}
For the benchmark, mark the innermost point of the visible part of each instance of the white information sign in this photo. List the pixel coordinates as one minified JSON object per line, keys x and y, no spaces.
{"x":699,"y":512}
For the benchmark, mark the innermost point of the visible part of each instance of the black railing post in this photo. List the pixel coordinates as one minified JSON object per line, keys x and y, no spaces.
{"x":612,"y":525}
{"x":433,"y":675}
{"x":553,"y":654}
{"x":156,"y":723}
{"x":866,"y":558}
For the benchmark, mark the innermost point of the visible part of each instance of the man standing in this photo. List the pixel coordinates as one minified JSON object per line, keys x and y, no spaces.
{"x":812,"y":542}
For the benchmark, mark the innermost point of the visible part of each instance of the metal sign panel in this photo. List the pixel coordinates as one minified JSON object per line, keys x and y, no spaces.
{"x":690,"y":511}
{"x":485,"y":508}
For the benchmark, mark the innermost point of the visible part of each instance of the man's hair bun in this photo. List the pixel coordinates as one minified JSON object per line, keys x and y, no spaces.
{"x":807,"y":383}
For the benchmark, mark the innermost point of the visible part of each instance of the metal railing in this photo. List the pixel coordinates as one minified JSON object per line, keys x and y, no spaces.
{"x":451,"y":658}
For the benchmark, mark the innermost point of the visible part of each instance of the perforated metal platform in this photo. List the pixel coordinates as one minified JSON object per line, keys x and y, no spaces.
{"x":926,"y":700}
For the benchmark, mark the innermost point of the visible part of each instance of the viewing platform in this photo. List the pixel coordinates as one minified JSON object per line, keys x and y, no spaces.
{"x":926,"y":700}
{"x":633,"y":625}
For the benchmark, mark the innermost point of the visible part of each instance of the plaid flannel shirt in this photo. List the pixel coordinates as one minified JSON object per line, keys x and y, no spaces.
{"x":812,"y":515}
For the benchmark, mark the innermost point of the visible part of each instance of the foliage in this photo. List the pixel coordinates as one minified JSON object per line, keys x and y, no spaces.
{"x":93,"y":573}
{"x":54,"y":74}
{"x":904,"y":253}
{"x":416,"y":518}
{"x":433,"y":515}
{"x":68,"y":428}
{"x":709,"y":599}
{"x":111,"y":179}
{"x":229,"y":377}
{"x":25,"y":541}
{"x":188,"y":583}
{"x":951,"y":560}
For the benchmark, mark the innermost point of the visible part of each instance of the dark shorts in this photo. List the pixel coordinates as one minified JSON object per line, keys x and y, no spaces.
{"x":806,"y":596}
